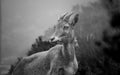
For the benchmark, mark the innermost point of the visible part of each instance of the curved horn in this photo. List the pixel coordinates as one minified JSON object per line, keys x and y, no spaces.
{"x":68,"y":17}
{"x":63,"y":16}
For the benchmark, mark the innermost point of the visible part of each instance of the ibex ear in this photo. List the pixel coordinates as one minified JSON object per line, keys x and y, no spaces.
{"x":74,"y":19}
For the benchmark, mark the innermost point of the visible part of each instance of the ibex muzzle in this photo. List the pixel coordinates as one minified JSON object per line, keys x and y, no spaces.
{"x":54,"y":39}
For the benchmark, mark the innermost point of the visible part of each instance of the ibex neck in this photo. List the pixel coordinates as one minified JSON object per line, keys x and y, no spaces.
{"x":69,"y":50}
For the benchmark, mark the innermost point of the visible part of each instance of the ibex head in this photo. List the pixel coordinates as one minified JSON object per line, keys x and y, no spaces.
{"x":64,"y":30}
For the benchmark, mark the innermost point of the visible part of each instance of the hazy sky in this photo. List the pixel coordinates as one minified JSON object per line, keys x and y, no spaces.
{"x":25,"y":20}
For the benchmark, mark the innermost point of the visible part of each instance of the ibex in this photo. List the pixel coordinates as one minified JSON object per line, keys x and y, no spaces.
{"x":58,"y":60}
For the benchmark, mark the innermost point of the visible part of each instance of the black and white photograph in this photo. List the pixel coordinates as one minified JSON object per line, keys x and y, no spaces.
{"x":60,"y":37}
